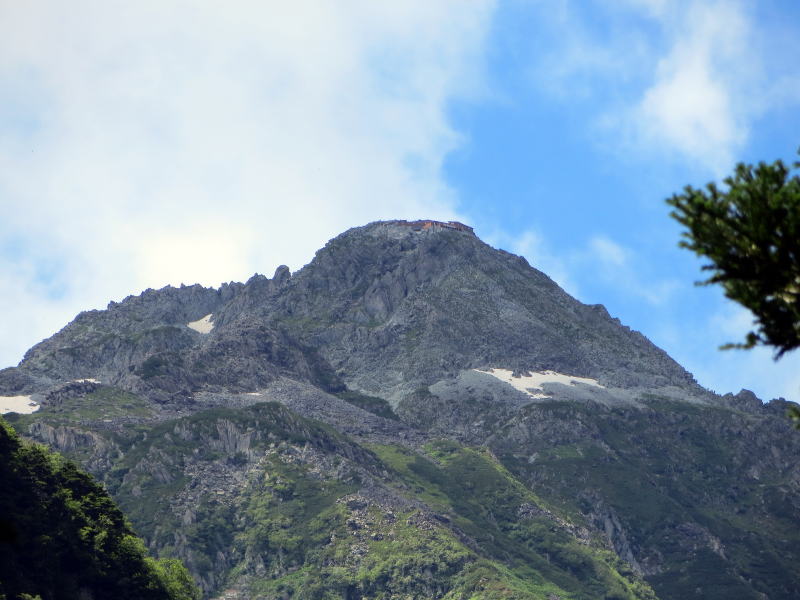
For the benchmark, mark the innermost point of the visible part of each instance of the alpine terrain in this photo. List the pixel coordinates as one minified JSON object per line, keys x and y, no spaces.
{"x":415,"y":414}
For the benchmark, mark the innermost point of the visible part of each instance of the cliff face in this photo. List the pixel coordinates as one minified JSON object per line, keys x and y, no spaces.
{"x":394,"y":310}
{"x":417,"y":413}
{"x":389,"y":308}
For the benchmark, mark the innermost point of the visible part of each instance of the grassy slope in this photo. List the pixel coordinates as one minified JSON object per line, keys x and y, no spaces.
{"x":653,"y":484}
{"x":297,"y":526}
{"x":316,"y":542}
{"x":656,"y":486}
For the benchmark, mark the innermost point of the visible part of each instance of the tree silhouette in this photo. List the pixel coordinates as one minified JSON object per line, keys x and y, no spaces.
{"x":750,"y":232}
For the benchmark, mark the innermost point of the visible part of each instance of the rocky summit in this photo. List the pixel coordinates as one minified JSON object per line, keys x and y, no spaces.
{"x":415,"y":414}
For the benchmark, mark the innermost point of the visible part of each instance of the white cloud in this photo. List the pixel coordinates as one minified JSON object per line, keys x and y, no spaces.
{"x":151,"y":143}
{"x":29,"y":308}
{"x":598,"y":264}
{"x":681,"y":81}
{"x":699,"y":103}
{"x":608,"y":252}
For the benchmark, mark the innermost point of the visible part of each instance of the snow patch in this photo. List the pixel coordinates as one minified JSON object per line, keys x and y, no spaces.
{"x":533,"y":384}
{"x":87,"y":380}
{"x":203,"y":325}
{"x":18,"y":404}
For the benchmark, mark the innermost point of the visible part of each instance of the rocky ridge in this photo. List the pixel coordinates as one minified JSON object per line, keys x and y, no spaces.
{"x":318,"y":411}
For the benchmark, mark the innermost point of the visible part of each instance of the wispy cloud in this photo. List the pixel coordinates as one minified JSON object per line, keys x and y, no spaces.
{"x":699,"y":103}
{"x":534,"y":247}
{"x":150,"y":143}
{"x":608,"y":252}
{"x":682,"y":80}
{"x":588,"y":58}
{"x":599,"y":266}
{"x":618,"y":268}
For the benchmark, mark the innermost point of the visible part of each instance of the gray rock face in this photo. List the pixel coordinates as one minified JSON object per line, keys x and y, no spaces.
{"x":394,"y":309}
{"x":745,"y":400}
{"x":105,"y":344}
{"x":676,"y":480}
{"x":17,"y":381}
{"x":383,"y":308}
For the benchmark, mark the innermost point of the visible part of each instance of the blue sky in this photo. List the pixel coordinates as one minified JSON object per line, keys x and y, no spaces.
{"x":562,"y":165}
{"x":154,"y":143}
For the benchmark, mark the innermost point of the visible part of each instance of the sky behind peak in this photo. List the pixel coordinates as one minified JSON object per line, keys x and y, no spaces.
{"x":145,"y":144}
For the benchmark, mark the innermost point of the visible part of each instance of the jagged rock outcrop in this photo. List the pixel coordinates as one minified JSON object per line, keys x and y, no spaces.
{"x":382,"y":308}
{"x":360,"y":428}
{"x":393,"y":309}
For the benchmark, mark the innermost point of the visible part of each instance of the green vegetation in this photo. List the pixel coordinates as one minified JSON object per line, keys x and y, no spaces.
{"x":264,"y":500}
{"x":159,"y":365}
{"x":299,"y":528}
{"x":105,"y":403}
{"x":152,"y":469}
{"x":63,"y":537}
{"x":80,"y":415}
{"x":751,"y":234}
{"x":722,"y":531}
{"x":529,"y":546}
{"x":350,"y":548}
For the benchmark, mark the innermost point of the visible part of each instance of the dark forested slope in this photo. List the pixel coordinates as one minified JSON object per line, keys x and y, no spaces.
{"x":62,"y":537}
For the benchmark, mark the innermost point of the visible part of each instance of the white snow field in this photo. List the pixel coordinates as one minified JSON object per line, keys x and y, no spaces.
{"x":18,"y":404}
{"x":533,"y":384}
{"x":203,"y":325}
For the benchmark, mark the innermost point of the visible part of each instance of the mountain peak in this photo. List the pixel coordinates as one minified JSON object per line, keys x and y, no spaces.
{"x":432,"y":225}
{"x":423,"y":300}
{"x":200,"y":408}
{"x":418,"y":230}
{"x":390,"y":307}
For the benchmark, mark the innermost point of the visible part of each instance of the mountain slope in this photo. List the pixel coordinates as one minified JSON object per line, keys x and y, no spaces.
{"x":62,"y":536}
{"x":388,"y":307}
{"x":393,"y":308}
{"x":415,"y":413}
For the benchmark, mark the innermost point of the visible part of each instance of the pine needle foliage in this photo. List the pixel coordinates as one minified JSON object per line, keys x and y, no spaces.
{"x":750,"y":233}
